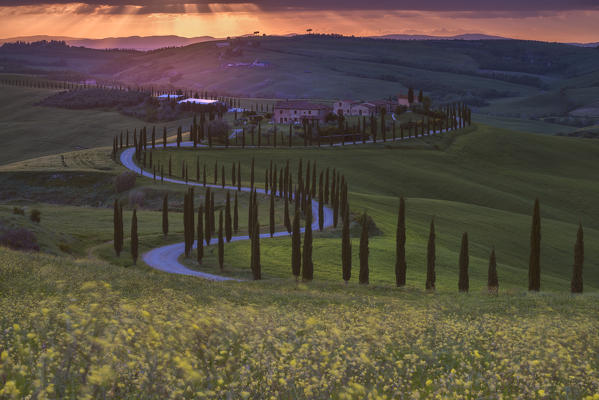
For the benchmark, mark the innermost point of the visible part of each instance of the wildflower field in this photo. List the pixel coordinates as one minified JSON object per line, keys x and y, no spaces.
{"x":81,"y":329}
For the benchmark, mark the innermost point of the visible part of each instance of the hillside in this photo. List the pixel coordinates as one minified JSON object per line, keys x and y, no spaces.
{"x":506,"y":77}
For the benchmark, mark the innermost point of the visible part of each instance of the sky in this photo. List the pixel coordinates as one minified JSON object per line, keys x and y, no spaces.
{"x":546,"y":20}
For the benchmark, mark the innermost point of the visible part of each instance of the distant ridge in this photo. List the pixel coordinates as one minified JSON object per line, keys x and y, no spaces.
{"x":467,"y":36}
{"x":143,"y":43}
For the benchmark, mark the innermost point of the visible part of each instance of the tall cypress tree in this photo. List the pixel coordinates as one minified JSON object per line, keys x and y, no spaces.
{"x":117,"y":229}
{"x":400,"y":245}
{"x":186,"y":223}
{"x":307,"y":265}
{"x":320,"y":207}
{"x":364,"y":250}
{"x":212,"y":211}
{"x":200,"y":241}
{"x":221,"y":242}
{"x":296,"y":255}
{"x":576,"y":285}
{"x":134,"y":238}
{"x":346,"y":248}
{"x":534,"y":265}
{"x":286,"y":216}
{"x":236,"y":215}
{"x":272,"y":215}
{"x":207,"y":228}
{"x":492,"y":280}
{"x":255,"y":241}
{"x":228,"y":224}
{"x":239,"y":176}
{"x":464,"y":282}
{"x":165,"y":215}
{"x":252,"y":175}
{"x":430,"y":258}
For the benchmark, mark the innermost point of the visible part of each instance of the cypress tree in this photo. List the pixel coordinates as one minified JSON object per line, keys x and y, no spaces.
{"x":170,"y":165}
{"x":233,"y":180}
{"x":400,"y":245}
{"x":307,"y":265}
{"x":346,"y":248}
{"x":222,"y":176}
{"x":492,"y":280}
{"x":239,"y":176}
{"x":212,"y":211}
{"x":326,"y":186}
{"x":221,"y":243}
{"x":165,"y":215}
{"x":256,"y":265}
{"x":252,"y":175}
{"x":186,"y":223}
{"x":117,"y":229}
{"x":134,"y":238}
{"x":286,"y":218}
{"x":296,"y":255}
{"x":272,"y":215}
{"x":204,"y":174}
{"x":228,"y":227}
{"x":430,"y":259}
{"x":215,"y":172}
{"x":464,"y":282}
{"x":207,"y":228}
{"x":576,"y":285}
{"x":251,"y":215}
{"x":200,"y":241}
{"x":364,"y":250}
{"x":164,"y":138}
{"x":534,"y":266}
{"x":236,"y":215}
{"x":320,"y":207}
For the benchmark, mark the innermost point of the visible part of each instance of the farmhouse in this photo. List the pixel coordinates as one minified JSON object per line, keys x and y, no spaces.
{"x":352,"y":107}
{"x":297,"y":111}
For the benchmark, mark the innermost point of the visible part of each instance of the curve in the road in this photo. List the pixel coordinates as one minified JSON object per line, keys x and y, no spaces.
{"x":166,"y":258}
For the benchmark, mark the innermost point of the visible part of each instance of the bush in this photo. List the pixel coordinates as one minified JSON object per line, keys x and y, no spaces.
{"x":19,"y":239}
{"x":35,"y":215}
{"x":219,"y":129}
{"x":124,"y":181}
{"x":18,"y":211}
{"x":136,"y":198}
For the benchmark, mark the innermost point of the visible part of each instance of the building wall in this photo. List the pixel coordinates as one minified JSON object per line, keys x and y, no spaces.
{"x":286,"y":115}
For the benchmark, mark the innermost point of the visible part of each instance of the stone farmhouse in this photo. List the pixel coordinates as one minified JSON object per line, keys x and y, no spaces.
{"x":358,"y":108}
{"x":298,"y":111}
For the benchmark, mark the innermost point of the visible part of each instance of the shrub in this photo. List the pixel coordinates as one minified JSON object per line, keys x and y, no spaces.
{"x":18,"y":211}
{"x":35,"y":215}
{"x":124,"y":181}
{"x":19,"y":239}
{"x":136,"y":198}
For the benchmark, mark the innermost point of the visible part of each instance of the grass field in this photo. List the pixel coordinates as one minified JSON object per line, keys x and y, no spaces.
{"x":482,"y":180}
{"x":79,"y":322}
{"x":74,"y":329}
{"x":29,"y":131}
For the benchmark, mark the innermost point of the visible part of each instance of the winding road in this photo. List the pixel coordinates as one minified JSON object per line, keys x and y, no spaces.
{"x":166,"y":258}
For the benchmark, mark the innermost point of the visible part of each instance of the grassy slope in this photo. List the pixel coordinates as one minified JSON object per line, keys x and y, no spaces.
{"x":28,"y":131}
{"x":483,"y":182}
{"x":72,"y":329}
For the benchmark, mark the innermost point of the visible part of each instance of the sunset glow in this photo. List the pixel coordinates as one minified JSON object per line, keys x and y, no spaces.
{"x":91,"y":20}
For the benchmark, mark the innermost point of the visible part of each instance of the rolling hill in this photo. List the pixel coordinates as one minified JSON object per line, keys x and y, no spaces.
{"x":500,"y":77}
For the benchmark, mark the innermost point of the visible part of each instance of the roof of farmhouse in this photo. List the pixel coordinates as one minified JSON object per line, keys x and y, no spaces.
{"x":300,"y":105}
{"x":198,"y":101}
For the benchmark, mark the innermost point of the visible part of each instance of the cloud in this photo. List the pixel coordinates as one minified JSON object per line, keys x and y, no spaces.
{"x":473,"y":8}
